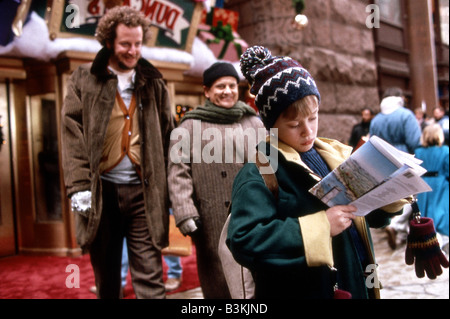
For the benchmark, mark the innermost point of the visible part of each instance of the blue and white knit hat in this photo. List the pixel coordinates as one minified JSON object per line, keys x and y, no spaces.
{"x":277,"y":82}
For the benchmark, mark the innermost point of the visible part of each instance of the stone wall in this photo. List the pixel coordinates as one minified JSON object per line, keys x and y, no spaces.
{"x":336,"y":47}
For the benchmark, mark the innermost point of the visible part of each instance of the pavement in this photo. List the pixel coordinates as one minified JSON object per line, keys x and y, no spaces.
{"x":399,"y":280}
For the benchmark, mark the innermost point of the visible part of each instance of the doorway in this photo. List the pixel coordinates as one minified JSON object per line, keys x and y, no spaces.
{"x":7,"y":228}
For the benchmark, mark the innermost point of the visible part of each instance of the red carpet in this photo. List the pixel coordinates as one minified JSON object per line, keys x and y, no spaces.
{"x":37,"y":277}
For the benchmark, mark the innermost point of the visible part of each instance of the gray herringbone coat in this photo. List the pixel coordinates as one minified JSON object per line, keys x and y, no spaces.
{"x":87,"y":107}
{"x":204,"y":189}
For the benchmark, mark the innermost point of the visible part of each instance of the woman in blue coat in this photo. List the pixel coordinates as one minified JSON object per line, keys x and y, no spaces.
{"x":435,"y":158}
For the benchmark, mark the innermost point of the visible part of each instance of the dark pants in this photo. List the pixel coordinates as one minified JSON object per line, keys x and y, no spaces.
{"x":123,"y":215}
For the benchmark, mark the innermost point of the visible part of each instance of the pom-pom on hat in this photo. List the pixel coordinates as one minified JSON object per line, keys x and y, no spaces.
{"x":218,"y":70}
{"x":277,"y":82}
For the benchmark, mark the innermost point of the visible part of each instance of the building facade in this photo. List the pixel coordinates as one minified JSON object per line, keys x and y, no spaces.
{"x":355,"y":49}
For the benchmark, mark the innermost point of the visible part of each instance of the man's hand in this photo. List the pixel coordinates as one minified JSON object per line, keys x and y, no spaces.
{"x":188,"y":226}
{"x":191,"y":227}
{"x":81,"y":202}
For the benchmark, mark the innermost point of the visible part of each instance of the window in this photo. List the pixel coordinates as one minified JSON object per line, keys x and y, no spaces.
{"x":390,"y":11}
{"x":45,"y":161}
{"x":443,"y":13}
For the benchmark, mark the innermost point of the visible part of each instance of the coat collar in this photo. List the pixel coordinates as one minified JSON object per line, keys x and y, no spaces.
{"x":332,"y":151}
{"x":144,"y":69}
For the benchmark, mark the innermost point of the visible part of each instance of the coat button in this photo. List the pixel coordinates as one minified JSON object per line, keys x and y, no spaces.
{"x":224,"y":174}
{"x":146,"y":182}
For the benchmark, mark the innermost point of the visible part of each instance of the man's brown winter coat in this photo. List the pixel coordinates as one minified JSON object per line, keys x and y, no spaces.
{"x":91,"y":92}
{"x":202,"y":189}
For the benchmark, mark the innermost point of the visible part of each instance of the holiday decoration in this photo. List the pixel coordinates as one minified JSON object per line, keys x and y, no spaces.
{"x":299,"y":5}
{"x":300,"y":21}
{"x":181,"y":111}
{"x":218,"y":30}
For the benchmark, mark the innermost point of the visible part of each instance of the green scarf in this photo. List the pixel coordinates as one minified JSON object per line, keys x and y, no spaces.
{"x":216,"y":114}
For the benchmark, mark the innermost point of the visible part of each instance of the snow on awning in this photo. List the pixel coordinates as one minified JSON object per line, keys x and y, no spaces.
{"x":35,"y":43}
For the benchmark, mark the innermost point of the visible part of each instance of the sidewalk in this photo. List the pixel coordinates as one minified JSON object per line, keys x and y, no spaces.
{"x":399,"y":281}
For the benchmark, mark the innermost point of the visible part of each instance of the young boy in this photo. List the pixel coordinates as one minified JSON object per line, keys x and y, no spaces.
{"x":292,"y":242}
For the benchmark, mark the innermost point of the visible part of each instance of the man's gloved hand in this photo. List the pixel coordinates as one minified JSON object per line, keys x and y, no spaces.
{"x":190,"y":227}
{"x":423,"y":249}
{"x":81,"y":202}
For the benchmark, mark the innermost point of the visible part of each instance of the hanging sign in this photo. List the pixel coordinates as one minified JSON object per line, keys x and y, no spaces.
{"x":174,"y":22}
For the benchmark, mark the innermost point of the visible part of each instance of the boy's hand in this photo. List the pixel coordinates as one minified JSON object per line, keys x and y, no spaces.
{"x":340,"y":218}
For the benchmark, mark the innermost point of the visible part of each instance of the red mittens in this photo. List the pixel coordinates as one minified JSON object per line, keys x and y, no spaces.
{"x":423,"y":249}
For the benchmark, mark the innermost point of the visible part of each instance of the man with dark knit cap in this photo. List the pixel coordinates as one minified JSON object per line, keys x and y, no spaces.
{"x":200,"y":175}
{"x":292,"y":242}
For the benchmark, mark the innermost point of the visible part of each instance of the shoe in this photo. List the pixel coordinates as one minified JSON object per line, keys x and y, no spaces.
{"x":93,"y":289}
{"x":391,"y":237}
{"x":172,"y":284}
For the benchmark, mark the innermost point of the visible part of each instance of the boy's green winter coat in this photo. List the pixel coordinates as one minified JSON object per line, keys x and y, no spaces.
{"x":286,"y":243}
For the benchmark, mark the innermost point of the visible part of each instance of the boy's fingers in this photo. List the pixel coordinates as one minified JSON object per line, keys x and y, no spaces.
{"x":347,"y":208}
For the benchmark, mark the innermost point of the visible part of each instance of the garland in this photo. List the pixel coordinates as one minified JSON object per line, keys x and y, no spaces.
{"x":224,"y":32}
{"x":299,"y":5}
{"x":300,"y":21}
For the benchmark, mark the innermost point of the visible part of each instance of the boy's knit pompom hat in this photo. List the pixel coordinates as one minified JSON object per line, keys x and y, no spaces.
{"x":277,"y":82}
